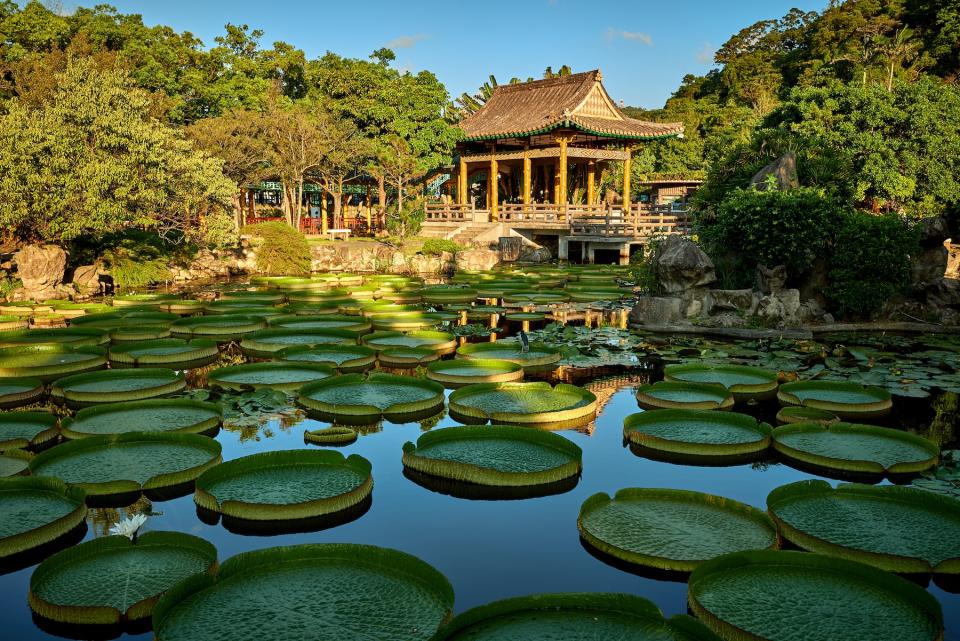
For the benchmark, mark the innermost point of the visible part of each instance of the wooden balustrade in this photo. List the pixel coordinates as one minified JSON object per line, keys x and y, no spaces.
{"x":450,"y":212}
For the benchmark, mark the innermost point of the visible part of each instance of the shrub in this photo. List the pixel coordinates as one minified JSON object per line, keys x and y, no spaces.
{"x":871,"y":262}
{"x":437,"y":246}
{"x":282,"y":250}
{"x":772,"y":227}
{"x":137,"y":258}
{"x":217,"y":230}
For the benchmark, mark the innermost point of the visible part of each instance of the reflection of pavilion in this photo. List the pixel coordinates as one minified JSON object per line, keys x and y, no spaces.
{"x":531,"y":156}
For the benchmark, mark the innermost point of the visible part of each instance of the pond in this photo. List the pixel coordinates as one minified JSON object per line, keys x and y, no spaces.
{"x":488,"y":547}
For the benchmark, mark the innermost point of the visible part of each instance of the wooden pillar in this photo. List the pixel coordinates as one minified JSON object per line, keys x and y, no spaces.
{"x":627,"y":167}
{"x":493,"y":189}
{"x":526,"y":175}
{"x":591,"y":181}
{"x":556,"y":184}
{"x":462,"y":182}
{"x":562,"y":183}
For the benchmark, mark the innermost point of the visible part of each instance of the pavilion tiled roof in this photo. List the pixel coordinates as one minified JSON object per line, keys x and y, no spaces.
{"x":576,"y":101}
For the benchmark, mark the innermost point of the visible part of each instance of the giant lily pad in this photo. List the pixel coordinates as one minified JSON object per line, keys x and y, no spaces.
{"x":783,"y":596}
{"x":334,"y":435}
{"x":15,"y":392}
{"x":898,"y":529}
{"x":523,"y":403}
{"x":539,"y":354}
{"x":112,"y":386}
{"x":113,"y":579}
{"x":341,"y":591}
{"x":682,"y":395}
{"x":35,"y":511}
{"x":853,"y":448}
{"x":154,"y":415}
{"x":281,"y":375}
{"x":344,"y":358}
{"x":672,"y":529}
{"x":14,"y":463}
{"x":440,"y":342}
{"x":265,"y":343}
{"x":50,"y":361}
{"x":801,"y":414}
{"x":697,"y":432}
{"x":406,"y":357}
{"x":168,"y":352}
{"x":72,"y":335}
{"x":745,"y":382}
{"x":443,"y":295}
{"x":26,"y":429}
{"x":500,"y":455}
{"x":573,"y":617}
{"x":114,"y":320}
{"x":290,"y":484}
{"x":223,"y":329}
{"x":352,"y":324}
{"x":353,"y":396}
{"x":846,"y":400}
{"x":143,"y":300}
{"x":126,"y":463}
{"x":458,"y":372}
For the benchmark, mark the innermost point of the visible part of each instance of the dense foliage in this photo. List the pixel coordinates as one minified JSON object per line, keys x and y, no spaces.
{"x":437,"y":246}
{"x":281,"y":249}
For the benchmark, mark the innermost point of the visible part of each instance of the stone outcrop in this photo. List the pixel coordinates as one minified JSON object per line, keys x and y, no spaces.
{"x":657,"y":310}
{"x":679,"y":264}
{"x":771,"y":280}
{"x":88,"y":280}
{"x":477,"y":259}
{"x":41,"y":268}
{"x":784,"y":172}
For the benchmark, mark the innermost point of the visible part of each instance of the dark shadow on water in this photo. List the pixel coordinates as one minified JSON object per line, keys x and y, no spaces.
{"x":841,"y":475}
{"x":246,"y":527}
{"x":476,"y":492}
{"x":699,"y":461}
{"x":171,"y":492}
{"x":33,"y":556}
{"x":646,"y":572}
{"x":947,"y":582}
{"x":92,"y":632}
{"x":350,"y":420}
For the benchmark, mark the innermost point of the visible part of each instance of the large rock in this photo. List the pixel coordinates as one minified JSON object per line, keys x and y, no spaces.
{"x":532,"y":254}
{"x":933,"y":231}
{"x":654,"y":310}
{"x":720,"y":301}
{"x":781,"y":308}
{"x":784,"y":172}
{"x":87,"y":279}
{"x":679,"y":264}
{"x":771,"y":280}
{"x":929,"y":265}
{"x":477,"y":259}
{"x":41,"y":269}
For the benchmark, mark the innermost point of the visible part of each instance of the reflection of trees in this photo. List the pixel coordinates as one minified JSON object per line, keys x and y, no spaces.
{"x":101,"y":519}
{"x":943,"y":428}
{"x":428,"y":424}
{"x":247,"y":432}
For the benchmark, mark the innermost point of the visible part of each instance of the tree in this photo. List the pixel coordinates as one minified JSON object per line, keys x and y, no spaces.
{"x":396,"y":162}
{"x":92,"y":160}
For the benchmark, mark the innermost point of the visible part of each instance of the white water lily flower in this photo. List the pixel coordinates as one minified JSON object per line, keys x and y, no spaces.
{"x":129,"y":526}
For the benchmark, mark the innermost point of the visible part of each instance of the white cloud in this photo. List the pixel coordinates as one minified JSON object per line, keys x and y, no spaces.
{"x":706,"y":53}
{"x":634,"y":36}
{"x":406,"y":42}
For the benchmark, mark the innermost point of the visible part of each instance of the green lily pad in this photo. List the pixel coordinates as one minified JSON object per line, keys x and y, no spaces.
{"x":523,"y":403}
{"x":14,"y":463}
{"x":573,"y":617}
{"x":265,"y":343}
{"x":283,"y":485}
{"x":20,"y":430}
{"x":182,"y":307}
{"x":353,"y":396}
{"x":344,"y":358}
{"x":114,"y":320}
{"x":125,"y":463}
{"x":373,"y":592}
{"x":72,"y":335}
{"x":112,"y":386}
{"x":113,"y":579}
{"x":281,"y":375}
{"x":351,"y":324}
{"x":530,"y":317}
{"x":682,"y":395}
{"x":405,"y":357}
{"x":672,"y":529}
{"x":897,"y":529}
{"x":167,"y":352}
{"x":154,"y":415}
{"x":802,"y":414}
{"x":445,"y":295}
{"x":849,"y":447}
{"x":48,"y":362}
{"x":746,"y":383}
{"x":499,"y":455}
{"x":539,"y":354}
{"x":846,"y":400}
{"x":697,"y":432}
{"x":335,"y":435}
{"x":143,"y":300}
{"x":35,"y":511}
{"x":459,"y":372}
{"x":786,"y":596}
{"x":440,"y":342}
{"x":223,"y":329}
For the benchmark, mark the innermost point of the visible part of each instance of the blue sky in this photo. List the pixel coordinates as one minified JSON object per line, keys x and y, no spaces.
{"x":643,"y":47}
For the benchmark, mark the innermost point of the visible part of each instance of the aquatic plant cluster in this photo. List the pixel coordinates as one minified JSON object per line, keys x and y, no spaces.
{"x":124,"y":404}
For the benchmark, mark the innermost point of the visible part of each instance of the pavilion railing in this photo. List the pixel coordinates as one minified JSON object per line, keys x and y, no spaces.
{"x":453,"y":212}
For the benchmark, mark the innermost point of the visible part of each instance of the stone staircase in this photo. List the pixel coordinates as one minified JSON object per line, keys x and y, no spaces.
{"x":462,"y":233}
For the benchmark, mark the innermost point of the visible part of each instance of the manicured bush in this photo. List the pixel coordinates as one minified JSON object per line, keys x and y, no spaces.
{"x":282,"y":250}
{"x":437,"y":246}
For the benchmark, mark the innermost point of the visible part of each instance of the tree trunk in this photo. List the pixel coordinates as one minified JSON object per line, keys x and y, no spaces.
{"x":299,"y":204}
{"x":238,"y":209}
{"x":403,"y":221}
{"x":382,"y":196}
{"x":286,"y":204}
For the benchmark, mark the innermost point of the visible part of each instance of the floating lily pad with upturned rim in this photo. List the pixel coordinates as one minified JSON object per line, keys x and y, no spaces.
{"x":898,"y":529}
{"x":461,"y":371}
{"x":72,"y":335}
{"x":442,"y":295}
{"x":284,"y":485}
{"x":114,"y":320}
{"x":266,"y":342}
{"x":344,"y":358}
{"x":683,"y":395}
{"x":35,"y":511}
{"x":494,"y":455}
{"x":801,"y":414}
{"x":440,"y":342}
{"x":223,"y":329}
{"x":672,"y":529}
{"x":179,"y":415}
{"x":143,"y":300}
{"x":539,"y":354}
{"x":587,"y":616}
{"x":697,"y":432}
{"x":280,"y":375}
{"x":745,"y":382}
{"x":779,"y":595}
{"x":113,"y":579}
{"x":846,"y":400}
{"x":116,"y":385}
{"x":15,"y":463}
{"x":406,"y":357}
{"x":20,"y":430}
{"x":376,"y":592}
{"x":335,"y":435}
{"x":183,"y":307}
{"x":523,"y":403}
{"x":352,"y":324}
{"x":166,"y":351}
{"x":50,"y":361}
{"x":127,"y":463}
{"x":16,"y":392}
{"x":853,"y":448}
{"x":377,"y":394}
